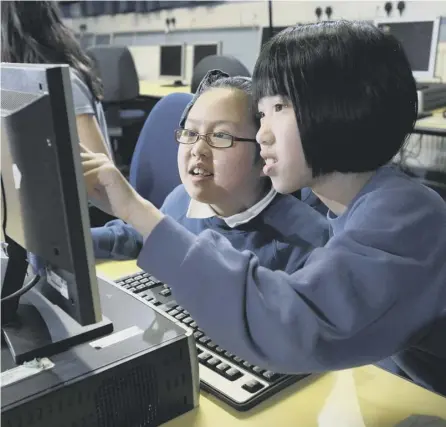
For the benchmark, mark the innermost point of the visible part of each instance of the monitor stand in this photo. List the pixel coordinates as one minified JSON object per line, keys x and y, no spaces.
{"x":42,"y":329}
{"x":176,"y":83}
{"x":35,"y":327}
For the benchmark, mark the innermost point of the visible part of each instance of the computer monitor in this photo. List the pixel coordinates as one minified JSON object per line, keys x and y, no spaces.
{"x":172,"y":62}
{"x":419,"y":39}
{"x":46,"y":213}
{"x":203,"y":50}
{"x":266,"y":34}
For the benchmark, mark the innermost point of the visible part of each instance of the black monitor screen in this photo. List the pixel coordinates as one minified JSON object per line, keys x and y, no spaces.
{"x":171,"y":60}
{"x":203,"y":50}
{"x":416,"y":38}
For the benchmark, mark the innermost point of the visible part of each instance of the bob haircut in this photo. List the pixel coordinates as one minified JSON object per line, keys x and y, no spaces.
{"x":352,"y":90}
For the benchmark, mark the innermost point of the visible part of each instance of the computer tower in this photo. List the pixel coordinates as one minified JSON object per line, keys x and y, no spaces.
{"x":431,"y":96}
{"x":143,"y":374}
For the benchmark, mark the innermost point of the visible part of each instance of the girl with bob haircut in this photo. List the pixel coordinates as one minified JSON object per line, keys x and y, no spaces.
{"x":336,"y":101}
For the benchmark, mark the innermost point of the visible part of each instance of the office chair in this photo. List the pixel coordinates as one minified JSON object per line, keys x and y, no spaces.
{"x":228,"y":64}
{"x":154,"y":170}
{"x":117,"y":71}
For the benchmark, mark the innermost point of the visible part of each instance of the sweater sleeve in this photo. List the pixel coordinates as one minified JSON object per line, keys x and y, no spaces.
{"x":357,"y":300}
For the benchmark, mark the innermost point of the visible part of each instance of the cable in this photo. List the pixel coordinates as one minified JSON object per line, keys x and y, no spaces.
{"x":4,"y":208}
{"x":22,"y":290}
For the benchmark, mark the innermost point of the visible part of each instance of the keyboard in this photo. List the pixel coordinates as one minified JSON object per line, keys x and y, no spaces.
{"x":226,"y":376}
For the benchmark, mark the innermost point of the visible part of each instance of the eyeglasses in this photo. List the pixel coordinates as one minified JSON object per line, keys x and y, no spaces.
{"x":214,"y":139}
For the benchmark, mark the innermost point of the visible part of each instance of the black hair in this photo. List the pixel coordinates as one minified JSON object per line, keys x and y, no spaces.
{"x":351,"y":88}
{"x":33,"y":32}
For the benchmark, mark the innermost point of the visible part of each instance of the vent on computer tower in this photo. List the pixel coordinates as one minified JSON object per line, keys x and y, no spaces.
{"x":128,"y":399}
{"x":143,"y":392}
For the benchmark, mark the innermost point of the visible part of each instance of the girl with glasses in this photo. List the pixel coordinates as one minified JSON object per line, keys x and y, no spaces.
{"x":223,"y":188}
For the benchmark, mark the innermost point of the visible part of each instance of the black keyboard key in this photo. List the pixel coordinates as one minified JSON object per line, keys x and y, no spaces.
{"x":122,"y":283}
{"x":219,"y":350}
{"x":141,"y":288}
{"x":247,"y":364}
{"x":138,"y":277}
{"x":252,"y":386}
{"x":204,"y":356}
{"x":233,"y":374}
{"x":211,"y":344}
{"x":127,"y":285}
{"x":238,"y":360}
{"x":228,"y":355}
{"x":166,"y":293}
{"x":193,"y":325}
{"x":188,"y":320}
{"x":198,"y":334}
{"x":180,"y":316}
{"x":271,"y":376}
{"x":129,"y":281}
{"x":204,"y":339}
{"x":173,"y":312}
{"x":213,"y":362}
{"x":222,"y":367}
{"x":156,"y":303}
{"x":169,"y":305}
{"x":257,"y":370}
{"x":131,"y":289}
{"x":144,"y":280}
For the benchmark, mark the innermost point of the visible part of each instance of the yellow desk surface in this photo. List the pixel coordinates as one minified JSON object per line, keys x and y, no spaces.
{"x":157,"y":90}
{"x":361,"y":397}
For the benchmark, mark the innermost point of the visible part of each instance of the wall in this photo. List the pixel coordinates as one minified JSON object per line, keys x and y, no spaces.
{"x":236,"y":24}
{"x":251,"y":14}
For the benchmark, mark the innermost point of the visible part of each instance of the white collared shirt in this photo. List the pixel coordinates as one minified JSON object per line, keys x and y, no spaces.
{"x":200,"y":210}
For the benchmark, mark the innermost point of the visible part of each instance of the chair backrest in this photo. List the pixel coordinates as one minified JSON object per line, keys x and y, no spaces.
{"x":154,"y":170}
{"x":228,"y":64}
{"x":117,"y":70}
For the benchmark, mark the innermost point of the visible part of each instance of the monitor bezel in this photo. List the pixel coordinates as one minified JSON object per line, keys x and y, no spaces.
{"x":430,"y":73}
{"x":83,"y":304}
{"x":181,"y":76}
{"x":198,"y":44}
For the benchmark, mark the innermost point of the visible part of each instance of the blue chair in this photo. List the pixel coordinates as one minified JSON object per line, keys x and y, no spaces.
{"x":154,"y":170}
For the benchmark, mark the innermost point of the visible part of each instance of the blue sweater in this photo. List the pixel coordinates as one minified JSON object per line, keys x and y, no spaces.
{"x":377,"y":289}
{"x":272,"y":236}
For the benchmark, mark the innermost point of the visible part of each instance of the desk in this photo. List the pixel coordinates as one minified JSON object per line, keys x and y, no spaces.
{"x":157,"y":90}
{"x":362,"y":397}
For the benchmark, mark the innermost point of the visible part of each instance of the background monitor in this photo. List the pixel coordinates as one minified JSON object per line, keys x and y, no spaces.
{"x":172,"y":61}
{"x":203,"y":50}
{"x":266,"y":34}
{"x":419,"y":39}
{"x":46,"y":213}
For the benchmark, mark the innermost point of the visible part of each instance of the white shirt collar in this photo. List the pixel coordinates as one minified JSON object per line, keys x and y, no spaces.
{"x":202,"y":210}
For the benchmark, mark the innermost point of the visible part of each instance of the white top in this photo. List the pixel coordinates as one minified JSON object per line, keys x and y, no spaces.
{"x":203,"y":210}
